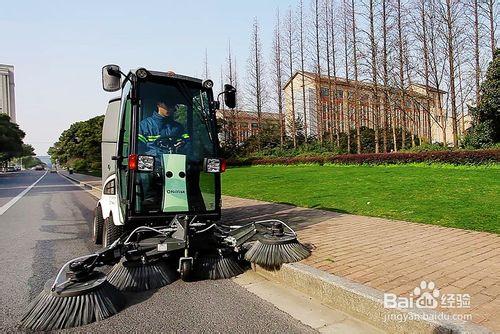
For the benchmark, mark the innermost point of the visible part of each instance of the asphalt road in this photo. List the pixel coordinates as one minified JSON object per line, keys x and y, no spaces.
{"x":51,"y":225}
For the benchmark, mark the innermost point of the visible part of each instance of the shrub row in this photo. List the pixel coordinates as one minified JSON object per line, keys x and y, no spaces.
{"x":450,"y":157}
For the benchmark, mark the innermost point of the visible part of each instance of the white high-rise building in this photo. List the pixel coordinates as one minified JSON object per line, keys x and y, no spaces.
{"x":7,"y":95}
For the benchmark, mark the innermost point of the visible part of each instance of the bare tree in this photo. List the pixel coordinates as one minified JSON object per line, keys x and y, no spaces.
{"x":491,"y":19}
{"x":278,"y":76}
{"x":387,"y":106}
{"x":461,"y":120}
{"x":401,"y":61}
{"x":450,"y":17}
{"x":437,"y":64}
{"x":302,"y":68}
{"x":329,"y":104}
{"x":477,"y":68}
{"x":336,"y":110}
{"x":345,"y":30}
{"x":373,"y":52}
{"x":421,"y":34}
{"x":288,"y":52}
{"x":319,"y":105}
{"x":256,"y":92}
{"x":357,"y":119}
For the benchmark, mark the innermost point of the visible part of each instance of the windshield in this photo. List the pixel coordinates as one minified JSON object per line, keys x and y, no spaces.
{"x":174,"y":129}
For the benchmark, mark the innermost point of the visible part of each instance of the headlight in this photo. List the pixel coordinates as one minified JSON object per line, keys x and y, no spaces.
{"x":141,"y":73}
{"x":146,"y":163}
{"x":208,"y":84}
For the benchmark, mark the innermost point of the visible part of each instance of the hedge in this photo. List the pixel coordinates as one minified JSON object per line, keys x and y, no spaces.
{"x":477,"y":157}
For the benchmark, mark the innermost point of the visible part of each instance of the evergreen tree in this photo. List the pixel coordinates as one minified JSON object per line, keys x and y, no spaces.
{"x":486,"y":128}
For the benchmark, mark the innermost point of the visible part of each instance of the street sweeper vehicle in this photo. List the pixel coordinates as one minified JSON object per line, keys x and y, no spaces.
{"x":159,"y":215}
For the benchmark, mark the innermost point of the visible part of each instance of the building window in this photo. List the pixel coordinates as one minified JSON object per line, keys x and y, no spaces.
{"x":324,"y":91}
{"x":340,"y":94}
{"x":255,"y":125}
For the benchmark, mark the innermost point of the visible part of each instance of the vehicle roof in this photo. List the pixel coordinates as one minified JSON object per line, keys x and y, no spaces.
{"x":170,"y":74}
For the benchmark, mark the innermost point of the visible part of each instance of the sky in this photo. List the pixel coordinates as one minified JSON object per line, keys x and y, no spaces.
{"x":59,"y":47}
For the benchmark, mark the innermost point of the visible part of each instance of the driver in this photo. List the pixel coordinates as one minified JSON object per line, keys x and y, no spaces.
{"x":161,"y":123}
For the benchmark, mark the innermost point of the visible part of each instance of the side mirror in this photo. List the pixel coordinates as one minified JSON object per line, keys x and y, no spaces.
{"x":229,"y":96}
{"x":111,"y":78}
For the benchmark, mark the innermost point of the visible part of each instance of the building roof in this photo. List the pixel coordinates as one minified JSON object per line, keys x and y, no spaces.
{"x":5,"y":69}
{"x":344,"y":81}
{"x":432,"y":89}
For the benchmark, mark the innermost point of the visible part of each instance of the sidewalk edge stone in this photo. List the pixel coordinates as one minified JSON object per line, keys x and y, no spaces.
{"x":86,"y":186}
{"x":364,"y":302}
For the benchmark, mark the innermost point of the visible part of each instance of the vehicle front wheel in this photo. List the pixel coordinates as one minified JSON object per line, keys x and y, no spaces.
{"x":185,"y":270}
{"x":111,"y":231}
{"x":97,"y":225}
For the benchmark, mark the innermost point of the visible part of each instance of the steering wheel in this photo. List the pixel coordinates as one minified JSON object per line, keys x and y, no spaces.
{"x":170,"y":143}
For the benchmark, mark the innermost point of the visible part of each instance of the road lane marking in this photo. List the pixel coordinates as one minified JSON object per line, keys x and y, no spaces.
{"x":13,"y":201}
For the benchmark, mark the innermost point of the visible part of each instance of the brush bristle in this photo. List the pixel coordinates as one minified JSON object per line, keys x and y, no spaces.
{"x":272,"y":256}
{"x":48,"y":311}
{"x":218,"y":267}
{"x":141,"y":277}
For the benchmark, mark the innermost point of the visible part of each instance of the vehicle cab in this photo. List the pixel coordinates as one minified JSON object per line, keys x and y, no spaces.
{"x":160,"y":150}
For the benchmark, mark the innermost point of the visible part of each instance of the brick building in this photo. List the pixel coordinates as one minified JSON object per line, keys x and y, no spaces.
{"x":240,"y":124}
{"x":417,"y":109}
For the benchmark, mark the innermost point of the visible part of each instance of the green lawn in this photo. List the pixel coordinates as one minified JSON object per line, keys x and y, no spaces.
{"x":462,"y":197}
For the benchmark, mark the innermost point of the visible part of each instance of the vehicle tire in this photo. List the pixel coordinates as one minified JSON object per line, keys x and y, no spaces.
{"x":186,"y":270}
{"x":97,"y":225}
{"x":111,"y":232}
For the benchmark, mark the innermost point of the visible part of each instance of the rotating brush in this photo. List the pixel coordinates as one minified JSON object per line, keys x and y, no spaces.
{"x":134,"y":276}
{"x":219,"y":266}
{"x":275,"y":247}
{"x":78,"y":304}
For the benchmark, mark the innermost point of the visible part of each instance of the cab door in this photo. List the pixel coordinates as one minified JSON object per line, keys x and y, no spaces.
{"x":124,"y":150}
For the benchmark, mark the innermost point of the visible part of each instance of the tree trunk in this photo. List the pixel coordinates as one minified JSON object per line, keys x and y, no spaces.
{"x":375,"y":103}
{"x":426,"y":70}
{"x":303,"y":69}
{"x":477,"y":74}
{"x":451,"y":60}
{"x":386,"y":77}
{"x":327,"y":46}
{"x":356,"y":89}
{"x":319,"y":105}
{"x":346,"y":94}
{"x":491,"y":17}
{"x":335,"y":106}
{"x":279,"y":79}
{"x":402,"y":105}
{"x":290,"y":59}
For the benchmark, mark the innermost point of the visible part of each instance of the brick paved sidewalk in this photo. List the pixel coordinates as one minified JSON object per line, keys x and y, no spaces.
{"x":388,"y":255}
{"x":393,"y":256}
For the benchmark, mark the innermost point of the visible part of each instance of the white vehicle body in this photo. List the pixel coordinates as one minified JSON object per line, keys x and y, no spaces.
{"x":109,"y":201}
